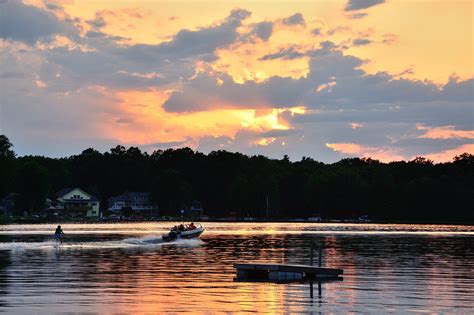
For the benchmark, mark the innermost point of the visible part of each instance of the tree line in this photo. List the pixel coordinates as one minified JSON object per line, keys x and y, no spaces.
{"x":227,"y":182}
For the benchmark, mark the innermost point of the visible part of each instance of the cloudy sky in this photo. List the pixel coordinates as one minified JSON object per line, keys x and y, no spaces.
{"x":388,"y":79}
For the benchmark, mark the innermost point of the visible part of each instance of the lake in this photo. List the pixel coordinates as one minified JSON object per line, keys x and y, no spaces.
{"x":125,"y":268}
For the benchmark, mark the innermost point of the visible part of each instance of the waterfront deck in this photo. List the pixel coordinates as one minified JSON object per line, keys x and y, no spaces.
{"x":285,"y":272}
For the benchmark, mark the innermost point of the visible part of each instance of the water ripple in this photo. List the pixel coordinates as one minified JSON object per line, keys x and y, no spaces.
{"x":125,"y":268}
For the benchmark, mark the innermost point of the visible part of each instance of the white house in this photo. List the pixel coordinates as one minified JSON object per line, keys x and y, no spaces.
{"x":77,"y":202}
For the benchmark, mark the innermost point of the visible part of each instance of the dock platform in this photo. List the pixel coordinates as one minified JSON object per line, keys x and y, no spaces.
{"x":277,"y":272}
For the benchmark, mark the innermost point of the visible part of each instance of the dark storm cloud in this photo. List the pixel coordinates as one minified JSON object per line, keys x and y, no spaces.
{"x":361,"y":4}
{"x":285,"y":53}
{"x":460,"y":91}
{"x":293,"y":52}
{"x":295,"y":19}
{"x":141,"y":65}
{"x":334,"y":81}
{"x":338,"y":29}
{"x":357,"y":16}
{"x":53,"y":6}
{"x":361,"y":42}
{"x":263,"y":30}
{"x":317,"y":31}
{"x":336,"y":92}
{"x":101,"y":35}
{"x":124,"y":120}
{"x":28,"y":24}
{"x":98,"y":22}
{"x":165,"y":145}
{"x":204,"y":40}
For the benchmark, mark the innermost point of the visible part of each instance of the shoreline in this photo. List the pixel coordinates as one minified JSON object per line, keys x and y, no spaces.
{"x":225,"y":220}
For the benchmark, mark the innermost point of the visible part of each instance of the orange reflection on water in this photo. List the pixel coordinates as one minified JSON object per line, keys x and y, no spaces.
{"x":112,"y":268}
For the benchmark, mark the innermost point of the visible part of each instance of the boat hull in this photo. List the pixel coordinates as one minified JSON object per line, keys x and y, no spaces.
{"x":192,"y":233}
{"x":189,"y":234}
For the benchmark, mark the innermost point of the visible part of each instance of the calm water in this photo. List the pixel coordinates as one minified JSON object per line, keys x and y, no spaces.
{"x":124,"y":268}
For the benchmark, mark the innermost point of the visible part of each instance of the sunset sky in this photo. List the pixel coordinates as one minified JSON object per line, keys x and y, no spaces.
{"x":390,"y":79}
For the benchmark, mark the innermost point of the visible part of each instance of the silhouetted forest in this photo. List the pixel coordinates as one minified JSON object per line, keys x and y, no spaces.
{"x":226,"y":182}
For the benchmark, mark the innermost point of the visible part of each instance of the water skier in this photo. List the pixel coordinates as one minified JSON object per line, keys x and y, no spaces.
{"x":58,"y":234}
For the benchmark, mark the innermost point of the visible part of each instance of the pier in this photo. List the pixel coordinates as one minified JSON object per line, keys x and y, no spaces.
{"x":287,"y":272}
{"x":277,"y":272}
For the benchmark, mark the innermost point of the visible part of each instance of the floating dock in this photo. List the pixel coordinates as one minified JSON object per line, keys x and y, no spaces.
{"x":278,"y":272}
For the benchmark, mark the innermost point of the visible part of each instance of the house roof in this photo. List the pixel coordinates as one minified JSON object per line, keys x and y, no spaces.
{"x":67,"y":190}
{"x":139,"y":194}
{"x":64,"y":191}
{"x":127,"y":196}
{"x":10,"y":197}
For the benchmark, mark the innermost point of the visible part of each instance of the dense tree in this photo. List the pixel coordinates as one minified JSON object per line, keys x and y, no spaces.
{"x":6,"y":147}
{"x":171,"y":191}
{"x":226,"y":182}
{"x":7,"y":164}
{"x":33,"y":187}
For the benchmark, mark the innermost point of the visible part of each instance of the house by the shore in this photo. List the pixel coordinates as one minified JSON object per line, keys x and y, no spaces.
{"x":7,"y":204}
{"x":75,"y":202}
{"x":195,"y":211}
{"x":137,"y":203}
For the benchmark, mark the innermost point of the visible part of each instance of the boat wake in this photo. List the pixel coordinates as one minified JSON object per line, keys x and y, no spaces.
{"x":135,"y":242}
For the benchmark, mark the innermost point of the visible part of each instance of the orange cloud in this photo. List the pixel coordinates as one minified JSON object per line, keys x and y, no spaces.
{"x":356,"y":125}
{"x":392,"y":154}
{"x":445,"y":132}
{"x":241,"y":62}
{"x":381,"y":154}
{"x":326,"y":86}
{"x":139,"y":119}
{"x":448,"y":155}
{"x":265,"y":141}
{"x":270,"y":120}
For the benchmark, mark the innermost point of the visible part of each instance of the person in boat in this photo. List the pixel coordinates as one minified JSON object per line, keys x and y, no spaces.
{"x":58,"y":234}
{"x":191,"y":226}
{"x":181,"y":227}
{"x":173,"y":234}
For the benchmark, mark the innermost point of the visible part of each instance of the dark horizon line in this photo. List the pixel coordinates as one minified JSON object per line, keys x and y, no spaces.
{"x":418,"y":157}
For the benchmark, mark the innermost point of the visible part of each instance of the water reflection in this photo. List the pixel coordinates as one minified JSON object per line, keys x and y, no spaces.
{"x":111,"y":270}
{"x":4,"y":281}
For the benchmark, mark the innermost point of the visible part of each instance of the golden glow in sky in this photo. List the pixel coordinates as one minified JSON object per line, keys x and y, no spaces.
{"x":315,"y":78}
{"x":434,"y":38}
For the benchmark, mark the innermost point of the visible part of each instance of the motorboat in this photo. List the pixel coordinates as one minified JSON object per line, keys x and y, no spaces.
{"x":186,"y":232}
